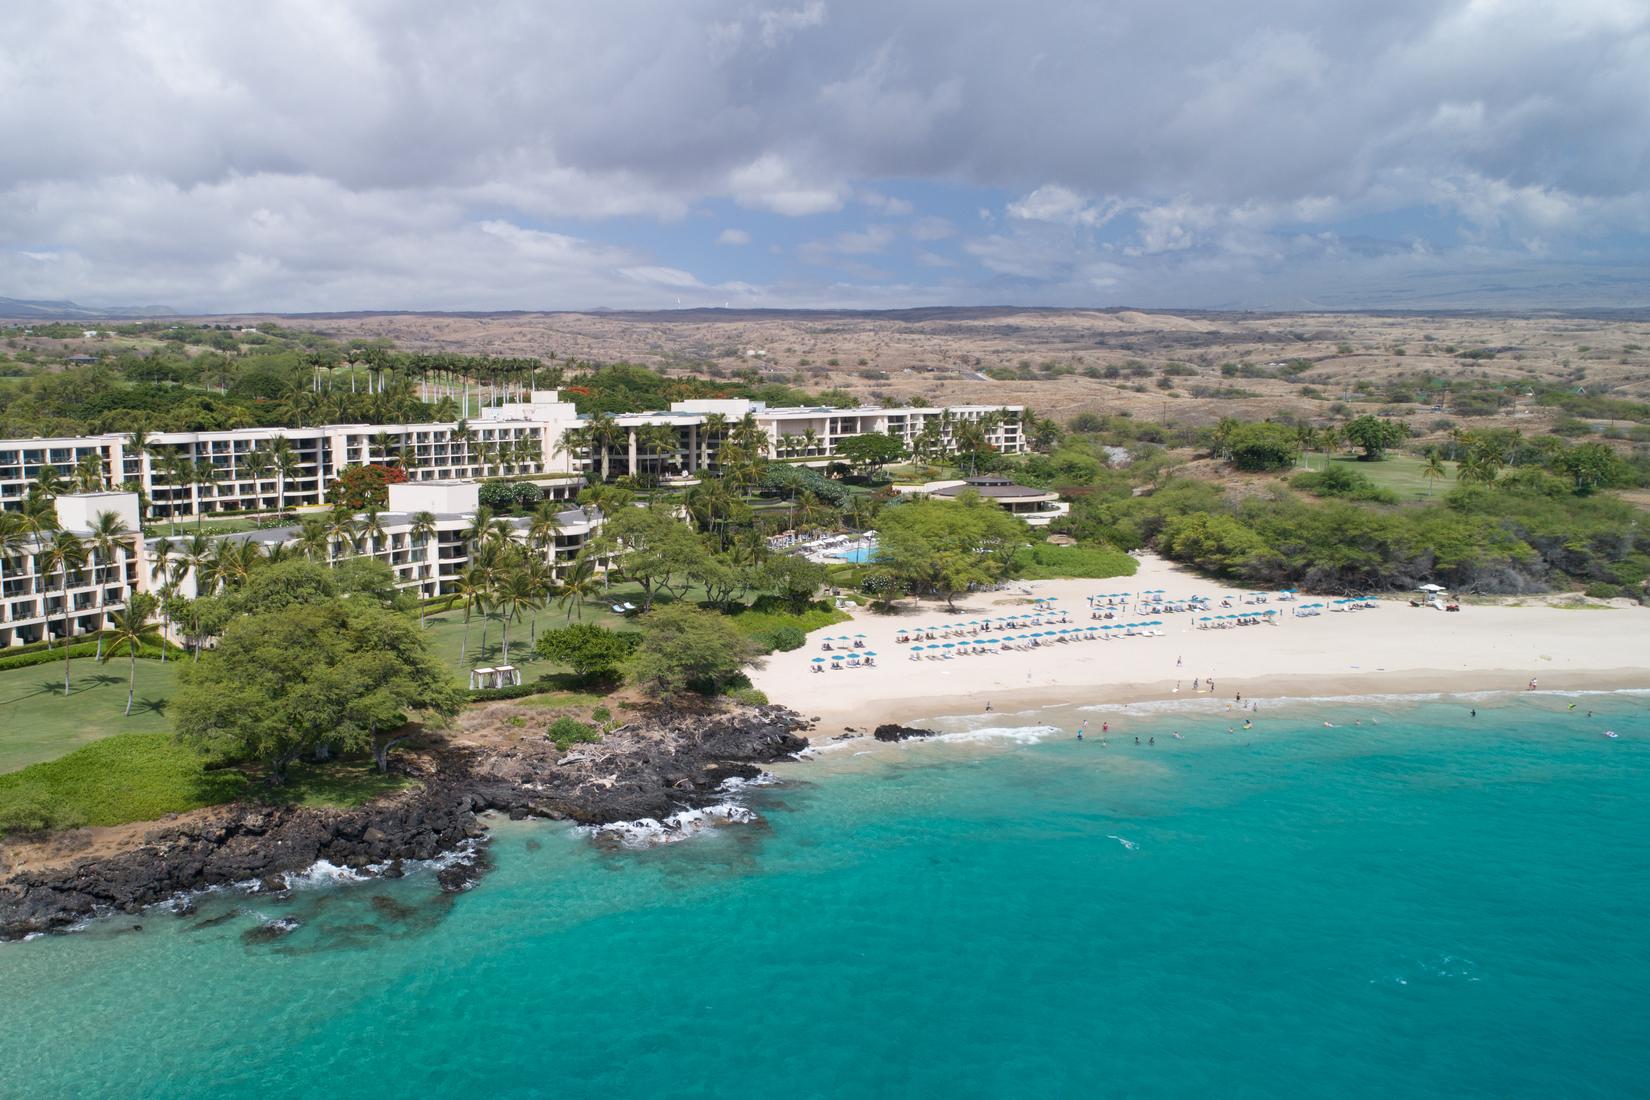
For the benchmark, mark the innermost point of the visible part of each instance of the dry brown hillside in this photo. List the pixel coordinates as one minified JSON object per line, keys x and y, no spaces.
{"x":1064,"y":362}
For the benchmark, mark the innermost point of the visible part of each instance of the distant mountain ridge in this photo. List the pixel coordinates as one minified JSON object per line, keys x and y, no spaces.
{"x":70,"y":311}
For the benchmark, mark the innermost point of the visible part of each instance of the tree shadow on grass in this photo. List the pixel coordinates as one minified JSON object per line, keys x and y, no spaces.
{"x":156,"y":706}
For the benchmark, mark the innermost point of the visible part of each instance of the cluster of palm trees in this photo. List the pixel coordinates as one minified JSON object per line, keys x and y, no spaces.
{"x":512,"y":579}
{"x":35,"y":530}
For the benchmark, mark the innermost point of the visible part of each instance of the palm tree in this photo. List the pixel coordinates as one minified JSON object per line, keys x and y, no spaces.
{"x":132,"y":629}
{"x":37,"y":519}
{"x":65,"y":553}
{"x":371,"y":529}
{"x":205,"y":474}
{"x":544,"y":523}
{"x":195,"y":554}
{"x":515,"y":595}
{"x":602,"y":432}
{"x":286,"y":466}
{"x":423,"y":529}
{"x":1433,"y":470}
{"x":541,"y":581}
{"x":109,"y":533}
{"x":88,"y":474}
{"x":578,"y":584}
{"x":137,"y":443}
{"x":257,"y":463}
{"x":14,"y":537}
{"x":382,"y":441}
{"x":48,"y":483}
{"x":463,"y":435}
{"x":472,"y":587}
{"x":313,"y":540}
{"x":714,"y":427}
{"x":657,"y":440}
{"x":340,"y":528}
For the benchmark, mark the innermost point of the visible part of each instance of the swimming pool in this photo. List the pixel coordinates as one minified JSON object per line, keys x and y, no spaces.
{"x":858,"y":555}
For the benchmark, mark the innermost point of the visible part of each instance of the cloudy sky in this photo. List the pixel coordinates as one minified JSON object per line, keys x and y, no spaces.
{"x":318,"y":155}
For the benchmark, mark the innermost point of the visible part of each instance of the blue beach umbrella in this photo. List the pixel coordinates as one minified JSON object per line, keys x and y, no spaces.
{"x":819,"y":660}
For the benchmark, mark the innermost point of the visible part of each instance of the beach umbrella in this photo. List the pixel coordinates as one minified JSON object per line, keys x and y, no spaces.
{"x":836,"y":656}
{"x":870,"y":653}
{"x":819,"y":660}
{"x":1432,"y":588}
{"x":949,"y":645}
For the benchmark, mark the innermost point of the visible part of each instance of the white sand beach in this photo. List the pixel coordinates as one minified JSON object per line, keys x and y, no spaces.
{"x":1392,"y":648}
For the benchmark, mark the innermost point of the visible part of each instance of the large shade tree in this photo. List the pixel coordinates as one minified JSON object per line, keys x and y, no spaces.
{"x":941,"y":548}
{"x":287,"y":682}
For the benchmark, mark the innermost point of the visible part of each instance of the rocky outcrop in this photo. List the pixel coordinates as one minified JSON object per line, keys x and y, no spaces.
{"x":893,"y":732}
{"x":674,"y":762}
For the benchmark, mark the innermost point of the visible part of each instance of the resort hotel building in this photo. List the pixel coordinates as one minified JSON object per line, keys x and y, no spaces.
{"x":182,"y":474}
{"x":427,"y":557}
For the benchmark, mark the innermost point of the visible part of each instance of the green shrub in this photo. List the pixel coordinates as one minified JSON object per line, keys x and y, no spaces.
{"x":784,"y":638}
{"x":568,"y":731}
{"x":1044,"y":561}
{"x":754,"y":697}
{"x":519,"y":691}
{"x":1343,"y":481}
{"x":1600,"y":590}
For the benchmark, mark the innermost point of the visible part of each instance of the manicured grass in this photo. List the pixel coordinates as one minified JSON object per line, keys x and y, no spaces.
{"x":38,"y":723}
{"x":129,"y":777}
{"x":1043,"y":562}
{"x":337,"y":783}
{"x":1398,"y":472}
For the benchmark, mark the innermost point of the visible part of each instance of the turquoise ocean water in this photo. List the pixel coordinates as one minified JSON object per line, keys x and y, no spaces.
{"x":1430,"y":906}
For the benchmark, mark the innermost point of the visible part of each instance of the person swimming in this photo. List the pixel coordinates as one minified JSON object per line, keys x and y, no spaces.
{"x":1081,"y":728}
{"x":1177,"y":736}
{"x":1248,"y":725}
{"x":1151,"y":740}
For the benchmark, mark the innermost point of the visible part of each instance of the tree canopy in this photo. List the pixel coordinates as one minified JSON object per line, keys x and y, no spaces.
{"x":1375,"y":435}
{"x":286,"y":682}
{"x":684,"y":647}
{"x":869,"y":453}
{"x":942,"y":548}
{"x":592,"y":652}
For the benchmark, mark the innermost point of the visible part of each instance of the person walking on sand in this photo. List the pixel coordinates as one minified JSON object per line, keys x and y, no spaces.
{"x":1177,"y":662}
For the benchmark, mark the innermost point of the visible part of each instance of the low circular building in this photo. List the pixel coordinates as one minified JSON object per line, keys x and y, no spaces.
{"x":1035,"y":506}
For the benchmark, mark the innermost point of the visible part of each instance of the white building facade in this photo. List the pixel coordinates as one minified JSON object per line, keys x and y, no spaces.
{"x":532,"y":438}
{"x":34,"y":588}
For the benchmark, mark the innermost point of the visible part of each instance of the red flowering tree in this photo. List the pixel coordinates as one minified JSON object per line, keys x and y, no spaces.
{"x":361,"y":487}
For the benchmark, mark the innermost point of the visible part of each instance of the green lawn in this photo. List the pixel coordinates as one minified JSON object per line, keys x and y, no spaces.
{"x":37,"y":723}
{"x":132,"y":777}
{"x":1398,"y":472}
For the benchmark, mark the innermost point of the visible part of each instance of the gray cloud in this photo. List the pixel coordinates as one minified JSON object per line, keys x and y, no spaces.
{"x":310,"y":154}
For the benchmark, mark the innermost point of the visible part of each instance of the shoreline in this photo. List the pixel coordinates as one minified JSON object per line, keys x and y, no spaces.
{"x":678,"y":765}
{"x":1393,"y":647}
{"x":1278,"y":689}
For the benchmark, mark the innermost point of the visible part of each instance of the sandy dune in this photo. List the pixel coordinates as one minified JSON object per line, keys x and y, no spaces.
{"x":1391,"y":648}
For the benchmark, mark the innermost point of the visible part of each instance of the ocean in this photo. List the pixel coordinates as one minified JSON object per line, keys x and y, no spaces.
{"x":1426,"y":904}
